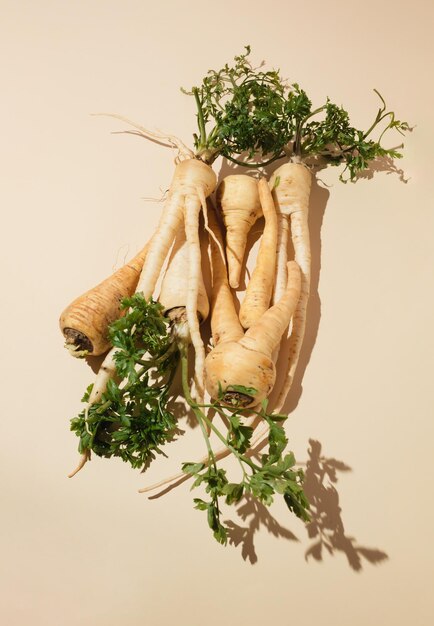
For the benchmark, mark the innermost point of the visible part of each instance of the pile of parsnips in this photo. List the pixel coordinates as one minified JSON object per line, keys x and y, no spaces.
{"x":237,"y":369}
{"x":243,"y":344}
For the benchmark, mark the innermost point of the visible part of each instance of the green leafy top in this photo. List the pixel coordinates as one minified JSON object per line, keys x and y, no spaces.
{"x":244,"y":106}
{"x":257,"y":114}
{"x":273,"y":473}
{"x":336,"y":141}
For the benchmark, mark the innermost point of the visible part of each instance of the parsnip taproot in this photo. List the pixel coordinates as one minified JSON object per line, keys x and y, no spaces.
{"x":260,"y":287}
{"x":175,"y":285}
{"x":84,"y":323}
{"x":291,"y":185}
{"x":225,"y":325}
{"x":247,"y":363}
{"x":175,"y":293}
{"x":238,"y":202}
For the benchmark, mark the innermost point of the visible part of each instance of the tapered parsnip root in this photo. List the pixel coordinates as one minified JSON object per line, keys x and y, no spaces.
{"x":238,"y":201}
{"x":174,"y":290}
{"x":240,"y":359}
{"x":247,"y":362}
{"x":259,"y":290}
{"x":291,"y":196}
{"x":84,"y":458}
{"x":174,"y":286}
{"x":282,"y":256}
{"x":84,"y":323}
{"x":190,"y":175}
{"x":191,"y":217}
{"x":225,"y":325}
{"x":106,"y":372}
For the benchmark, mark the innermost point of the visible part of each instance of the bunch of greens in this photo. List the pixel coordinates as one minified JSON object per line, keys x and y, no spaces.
{"x":132,"y":420}
{"x":244,"y":111}
{"x":244,"y":105}
{"x":274,"y":473}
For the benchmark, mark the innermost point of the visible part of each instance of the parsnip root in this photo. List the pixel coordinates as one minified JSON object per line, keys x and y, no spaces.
{"x":260,"y":288}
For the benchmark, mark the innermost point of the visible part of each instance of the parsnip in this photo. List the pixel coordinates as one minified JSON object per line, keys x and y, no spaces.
{"x":85,"y":321}
{"x":247,"y":362}
{"x":238,"y":201}
{"x":259,"y":290}
{"x":291,"y":185}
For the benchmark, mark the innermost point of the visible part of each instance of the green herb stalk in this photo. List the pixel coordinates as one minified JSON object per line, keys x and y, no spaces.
{"x":273,"y":474}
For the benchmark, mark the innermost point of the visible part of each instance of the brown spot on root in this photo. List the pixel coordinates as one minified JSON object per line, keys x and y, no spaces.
{"x":236,"y":399}
{"x":77,"y":341}
{"x":178,"y":315}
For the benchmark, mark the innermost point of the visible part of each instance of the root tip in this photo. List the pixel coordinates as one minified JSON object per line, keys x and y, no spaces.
{"x":85,"y":457}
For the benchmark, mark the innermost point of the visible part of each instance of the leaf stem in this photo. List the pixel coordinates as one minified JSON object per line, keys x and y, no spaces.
{"x":197,"y":412}
{"x":200,"y":118}
{"x":297,"y":146}
{"x":210,"y":424}
{"x":241,"y":458}
{"x":281,"y":155}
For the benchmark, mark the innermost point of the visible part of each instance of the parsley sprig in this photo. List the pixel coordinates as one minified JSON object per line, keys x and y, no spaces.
{"x":132,"y":420}
{"x":242,"y":104}
{"x":273,"y":474}
{"x":247,"y":113}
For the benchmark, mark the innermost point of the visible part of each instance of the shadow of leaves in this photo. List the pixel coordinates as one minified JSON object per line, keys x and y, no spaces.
{"x":385,"y":164}
{"x":326,"y":526}
{"x":325,"y":530}
{"x":257,"y":516}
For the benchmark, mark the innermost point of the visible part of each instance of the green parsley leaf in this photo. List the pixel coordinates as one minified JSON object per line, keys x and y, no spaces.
{"x":131,"y":420}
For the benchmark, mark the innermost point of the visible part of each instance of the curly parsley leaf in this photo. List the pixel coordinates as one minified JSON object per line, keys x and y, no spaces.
{"x":274,"y":474}
{"x":247,"y":113}
{"x":131,"y":420}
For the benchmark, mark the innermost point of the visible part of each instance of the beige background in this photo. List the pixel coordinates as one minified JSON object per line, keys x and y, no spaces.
{"x":91,"y":551}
